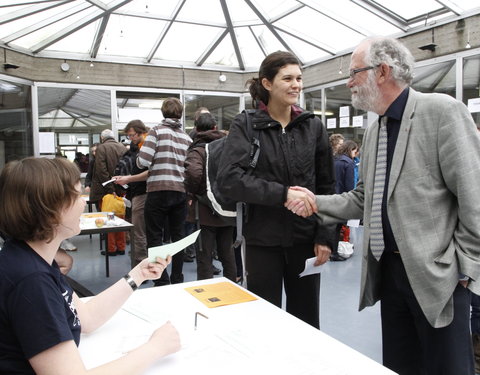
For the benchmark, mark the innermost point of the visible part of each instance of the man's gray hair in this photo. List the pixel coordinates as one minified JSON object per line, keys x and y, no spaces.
{"x":107,"y":133}
{"x":393,"y":53}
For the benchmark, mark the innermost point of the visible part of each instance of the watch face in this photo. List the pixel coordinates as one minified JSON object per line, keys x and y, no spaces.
{"x":65,"y":67}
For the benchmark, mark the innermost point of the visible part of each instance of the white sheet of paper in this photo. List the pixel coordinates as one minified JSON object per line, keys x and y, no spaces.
{"x":354,"y":223}
{"x":171,"y":248}
{"x":310,"y":269}
{"x":112,"y":180}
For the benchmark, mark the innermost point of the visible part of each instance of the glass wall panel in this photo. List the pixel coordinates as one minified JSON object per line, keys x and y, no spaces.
{"x":438,"y":78}
{"x":224,"y":108}
{"x":339,"y":117}
{"x":76,"y":117}
{"x":471,"y":86}
{"x":145,"y":106}
{"x":16,"y":140}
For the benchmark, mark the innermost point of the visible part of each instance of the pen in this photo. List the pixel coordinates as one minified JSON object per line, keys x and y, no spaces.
{"x":196,"y":315}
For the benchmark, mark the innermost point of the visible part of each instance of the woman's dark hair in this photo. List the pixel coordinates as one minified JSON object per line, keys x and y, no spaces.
{"x":33,"y":194}
{"x":346,"y":148}
{"x":269,"y":69}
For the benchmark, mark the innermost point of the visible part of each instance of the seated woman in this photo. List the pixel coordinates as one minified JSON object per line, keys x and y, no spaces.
{"x":41,"y":318}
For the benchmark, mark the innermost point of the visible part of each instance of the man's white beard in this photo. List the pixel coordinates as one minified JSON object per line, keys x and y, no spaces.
{"x":368,"y":95}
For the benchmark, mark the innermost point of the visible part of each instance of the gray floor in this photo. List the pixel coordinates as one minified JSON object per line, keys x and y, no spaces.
{"x":339,"y":293}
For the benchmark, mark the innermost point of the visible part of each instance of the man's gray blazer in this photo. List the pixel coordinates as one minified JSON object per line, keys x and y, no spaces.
{"x":433,"y":202}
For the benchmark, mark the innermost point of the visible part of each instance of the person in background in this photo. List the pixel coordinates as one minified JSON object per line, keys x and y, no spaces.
{"x":345,"y":181}
{"x":115,"y":203}
{"x":336,"y":140}
{"x":164,"y":153}
{"x":41,"y":318}
{"x":418,"y":194}
{"x":294,"y":150}
{"x":215,"y":231}
{"x":136,"y":131}
{"x":107,"y":155}
{"x":91,"y":163}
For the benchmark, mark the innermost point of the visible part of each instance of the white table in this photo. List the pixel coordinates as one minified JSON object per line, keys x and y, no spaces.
{"x":248,"y":338}
{"x":88,"y":226}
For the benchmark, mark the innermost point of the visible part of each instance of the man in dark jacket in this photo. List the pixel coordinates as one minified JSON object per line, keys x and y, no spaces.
{"x":215,"y":230}
{"x":106,"y":158}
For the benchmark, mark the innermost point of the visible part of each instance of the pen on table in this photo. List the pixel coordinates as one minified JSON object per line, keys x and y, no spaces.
{"x":196,"y":315}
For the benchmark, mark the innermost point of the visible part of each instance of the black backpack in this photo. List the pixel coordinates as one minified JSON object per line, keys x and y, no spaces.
{"x":221,"y":205}
{"x":126,"y":164}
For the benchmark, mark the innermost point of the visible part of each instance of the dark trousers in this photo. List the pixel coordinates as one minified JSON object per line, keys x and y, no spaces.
{"x":221,"y":239}
{"x":411,"y":346}
{"x":162,"y":207}
{"x":268,"y":268}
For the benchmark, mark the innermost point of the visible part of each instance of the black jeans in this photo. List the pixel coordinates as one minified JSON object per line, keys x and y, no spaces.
{"x":268,"y":268}
{"x":162,"y":207}
{"x":221,"y":238}
{"x":411,"y":346}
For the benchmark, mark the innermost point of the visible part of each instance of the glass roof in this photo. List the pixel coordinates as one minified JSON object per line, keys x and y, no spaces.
{"x":209,"y":34}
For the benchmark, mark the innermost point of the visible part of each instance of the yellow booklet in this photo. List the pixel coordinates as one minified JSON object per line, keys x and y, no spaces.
{"x":220,"y":294}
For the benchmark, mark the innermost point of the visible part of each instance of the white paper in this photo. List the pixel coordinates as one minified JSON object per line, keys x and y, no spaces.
{"x":357,"y":121}
{"x":112,"y":180}
{"x":345,"y":111}
{"x":46,"y":142}
{"x":171,"y":248}
{"x":344,"y":122}
{"x":474,"y":105}
{"x":353,"y":223}
{"x":331,"y":123}
{"x":310,"y":269}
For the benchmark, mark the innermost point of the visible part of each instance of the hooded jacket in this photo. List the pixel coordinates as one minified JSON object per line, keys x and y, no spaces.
{"x":298,"y":155}
{"x":195,"y":179}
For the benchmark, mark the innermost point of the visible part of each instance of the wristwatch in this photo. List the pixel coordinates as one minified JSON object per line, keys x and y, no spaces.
{"x":131,"y":282}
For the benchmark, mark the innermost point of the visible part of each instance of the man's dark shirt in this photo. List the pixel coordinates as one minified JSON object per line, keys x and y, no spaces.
{"x":394,"y":114}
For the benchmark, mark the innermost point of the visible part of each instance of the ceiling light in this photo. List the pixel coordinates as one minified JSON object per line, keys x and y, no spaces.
{"x":222,"y":77}
{"x":65,"y":67}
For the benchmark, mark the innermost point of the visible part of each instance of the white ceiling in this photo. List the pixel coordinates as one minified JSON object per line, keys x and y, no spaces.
{"x":210,"y":34}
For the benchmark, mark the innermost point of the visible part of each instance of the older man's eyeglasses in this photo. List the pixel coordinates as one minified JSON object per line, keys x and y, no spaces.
{"x":355,"y":71}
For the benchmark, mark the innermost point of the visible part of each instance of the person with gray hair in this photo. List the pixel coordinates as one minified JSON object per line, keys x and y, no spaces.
{"x":106,"y":134}
{"x":417,"y":194}
{"x":107,"y":155}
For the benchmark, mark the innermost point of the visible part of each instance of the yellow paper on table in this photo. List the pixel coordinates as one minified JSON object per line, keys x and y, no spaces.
{"x":220,"y":294}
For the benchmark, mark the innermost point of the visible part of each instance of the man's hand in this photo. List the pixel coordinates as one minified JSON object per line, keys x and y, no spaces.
{"x":322,"y":252}
{"x":122,"y":180}
{"x":301,"y":201}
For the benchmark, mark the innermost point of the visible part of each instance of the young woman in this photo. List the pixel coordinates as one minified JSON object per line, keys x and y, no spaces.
{"x":294,"y":150}
{"x":41,"y":318}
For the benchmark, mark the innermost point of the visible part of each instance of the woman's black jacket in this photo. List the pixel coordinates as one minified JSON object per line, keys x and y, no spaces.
{"x":298,"y":155}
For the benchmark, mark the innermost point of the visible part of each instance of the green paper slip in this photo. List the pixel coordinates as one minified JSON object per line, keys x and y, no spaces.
{"x":171,"y":248}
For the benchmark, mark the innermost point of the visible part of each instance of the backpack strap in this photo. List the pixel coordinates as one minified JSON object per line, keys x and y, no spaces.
{"x":254,"y":154}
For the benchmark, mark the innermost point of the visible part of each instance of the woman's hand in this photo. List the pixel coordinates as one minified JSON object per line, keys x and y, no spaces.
{"x":166,"y":339}
{"x":301,"y":201}
{"x":322,"y":252}
{"x":146,"y":270}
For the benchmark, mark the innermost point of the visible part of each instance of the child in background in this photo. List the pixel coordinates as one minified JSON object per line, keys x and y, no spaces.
{"x":115,"y":203}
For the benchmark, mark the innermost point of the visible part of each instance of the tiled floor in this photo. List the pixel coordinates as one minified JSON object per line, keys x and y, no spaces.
{"x":339,"y":293}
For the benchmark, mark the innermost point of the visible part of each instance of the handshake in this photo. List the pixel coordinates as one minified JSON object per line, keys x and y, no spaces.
{"x":301,"y":201}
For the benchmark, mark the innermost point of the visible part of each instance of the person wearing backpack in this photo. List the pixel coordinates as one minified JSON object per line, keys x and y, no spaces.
{"x":216,"y":231}
{"x":294,"y":150}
